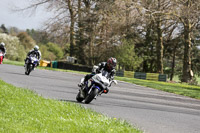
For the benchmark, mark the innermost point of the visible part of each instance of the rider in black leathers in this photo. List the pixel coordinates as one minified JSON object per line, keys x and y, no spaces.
{"x":2,"y":48}
{"x":35,"y":52}
{"x":108,"y":66}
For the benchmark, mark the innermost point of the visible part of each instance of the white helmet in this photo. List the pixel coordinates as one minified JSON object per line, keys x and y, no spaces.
{"x":2,"y":44}
{"x":36,"y":48}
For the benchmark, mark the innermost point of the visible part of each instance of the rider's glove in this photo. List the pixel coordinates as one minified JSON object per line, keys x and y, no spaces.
{"x":114,"y":71}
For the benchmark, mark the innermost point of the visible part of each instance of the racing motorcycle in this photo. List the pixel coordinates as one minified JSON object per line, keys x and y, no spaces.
{"x":1,"y":57}
{"x":30,"y":64}
{"x":94,"y":87}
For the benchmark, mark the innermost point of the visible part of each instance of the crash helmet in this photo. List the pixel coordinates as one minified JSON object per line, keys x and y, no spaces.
{"x":111,"y":63}
{"x":36,"y":48}
{"x":2,"y":44}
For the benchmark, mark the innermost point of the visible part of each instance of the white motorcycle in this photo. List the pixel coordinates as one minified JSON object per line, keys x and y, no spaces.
{"x":30,"y":64}
{"x":94,"y":87}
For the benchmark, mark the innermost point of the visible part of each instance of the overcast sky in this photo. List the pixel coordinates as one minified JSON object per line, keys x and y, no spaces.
{"x":19,"y":19}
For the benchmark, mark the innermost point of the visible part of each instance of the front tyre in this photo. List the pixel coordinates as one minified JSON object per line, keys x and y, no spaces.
{"x":26,"y":73}
{"x":91,"y":96}
{"x":28,"y":69}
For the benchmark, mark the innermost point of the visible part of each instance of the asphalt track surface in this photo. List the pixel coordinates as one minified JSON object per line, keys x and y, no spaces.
{"x":151,"y":110}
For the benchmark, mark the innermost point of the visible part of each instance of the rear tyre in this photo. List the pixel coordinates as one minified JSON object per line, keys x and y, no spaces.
{"x":78,"y":98}
{"x":26,"y":73}
{"x":91,"y":96}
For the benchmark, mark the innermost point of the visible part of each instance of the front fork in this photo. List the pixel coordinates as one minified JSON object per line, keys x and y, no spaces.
{"x":99,"y":90}
{"x":25,"y":67}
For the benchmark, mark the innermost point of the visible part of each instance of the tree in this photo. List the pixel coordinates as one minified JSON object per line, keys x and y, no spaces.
{"x":146,"y":48}
{"x":173,"y":54}
{"x":157,"y":11}
{"x":26,"y":41}
{"x":72,"y":24}
{"x":64,"y":10}
{"x":188,"y":13}
{"x":126,"y":55}
{"x":13,"y":31}
{"x":79,"y":35}
{"x":39,"y":36}
{"x":4,"y":29}
{"x":54,"y":48}
{"x":58,"y":24}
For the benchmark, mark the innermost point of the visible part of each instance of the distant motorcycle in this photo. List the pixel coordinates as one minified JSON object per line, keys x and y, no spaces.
{"x":1,"y":56}
{"x":94,"y":87}
{"x":30,"y":64}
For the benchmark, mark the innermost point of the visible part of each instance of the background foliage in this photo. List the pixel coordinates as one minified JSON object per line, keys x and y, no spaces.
{"x":159,"y":36}
{"x":15,"y":51}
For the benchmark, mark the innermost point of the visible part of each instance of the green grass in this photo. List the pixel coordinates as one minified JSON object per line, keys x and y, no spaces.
{"x":176,"y":79}
{"x":177,"y":88}
{"x":6,"y":61}
{"x":22,"y":110}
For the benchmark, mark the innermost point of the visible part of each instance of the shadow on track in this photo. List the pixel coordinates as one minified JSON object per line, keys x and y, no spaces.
{"x":72,"y":101}
{"x":16,"y":73}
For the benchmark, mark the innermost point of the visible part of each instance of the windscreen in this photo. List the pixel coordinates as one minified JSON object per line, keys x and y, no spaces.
{"x":105,"y":74}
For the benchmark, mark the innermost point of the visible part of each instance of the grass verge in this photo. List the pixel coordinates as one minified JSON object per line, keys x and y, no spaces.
{"x":6,"y":61}
{"x":177,"y":88}
{"x":22,"y":110}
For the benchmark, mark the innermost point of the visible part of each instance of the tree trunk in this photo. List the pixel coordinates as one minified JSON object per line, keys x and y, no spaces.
{"x":145,"y":66}
{"x":72,"y":40}
{"x":90,"y":31}
{"x":91,"y":47}
{"x":80,"y":38}
{"x":159,"y":47}
{"x":187,"y":75}
{"x":173,"y":64}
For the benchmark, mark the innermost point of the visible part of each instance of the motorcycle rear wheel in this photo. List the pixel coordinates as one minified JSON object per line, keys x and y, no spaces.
{"x":79,"y":98}
{"x":91,"y":95}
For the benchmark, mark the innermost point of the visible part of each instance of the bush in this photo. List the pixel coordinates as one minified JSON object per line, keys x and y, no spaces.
{"x":55,"y":49}
{"x":46,"y":55}
{"x":126,"y":55}
{"x":15,"y":51}
{"x":26,"y":41}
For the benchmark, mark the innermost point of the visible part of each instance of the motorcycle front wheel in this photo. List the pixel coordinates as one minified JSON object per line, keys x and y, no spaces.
{"x":91,"y":95}
{"x":28,"y":69}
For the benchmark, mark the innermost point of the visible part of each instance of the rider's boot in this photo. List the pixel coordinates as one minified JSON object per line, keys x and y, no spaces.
{"x":82,"y":93}
{"x":82,"y":88}
{"x":25,"y":66}
{"x":82,"y":83}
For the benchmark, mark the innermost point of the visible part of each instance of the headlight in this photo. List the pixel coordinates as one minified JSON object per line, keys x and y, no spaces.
{"x":105,"y":83}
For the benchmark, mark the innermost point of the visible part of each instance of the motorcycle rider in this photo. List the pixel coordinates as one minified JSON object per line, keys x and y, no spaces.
{"x":2,"y":48}
{"x":35,"y":52}
{"x":108,"y":66}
